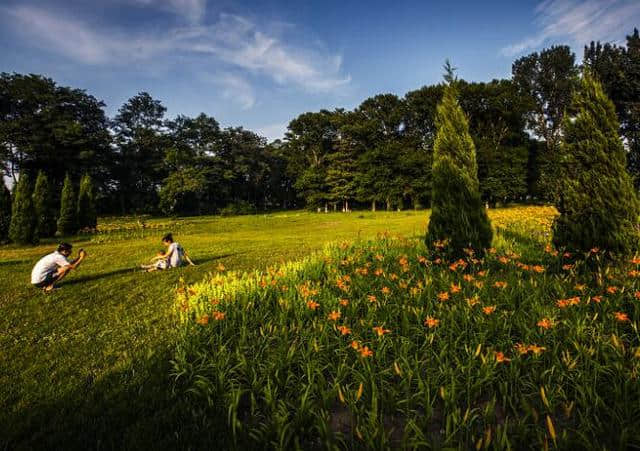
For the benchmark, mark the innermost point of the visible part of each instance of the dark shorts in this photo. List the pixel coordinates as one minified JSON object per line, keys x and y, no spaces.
{"x":51,"y":277}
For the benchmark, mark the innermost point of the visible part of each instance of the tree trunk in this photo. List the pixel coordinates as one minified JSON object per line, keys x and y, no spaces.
{"x":373,"y":205}
{"x":388,"y":204}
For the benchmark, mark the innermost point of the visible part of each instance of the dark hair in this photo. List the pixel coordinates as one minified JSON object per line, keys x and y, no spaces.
{"x":168,"y":237}
{"x":64,"y":247}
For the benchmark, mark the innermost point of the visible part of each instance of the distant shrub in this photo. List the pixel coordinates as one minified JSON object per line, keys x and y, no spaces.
{"x":44,"y":205}
{"x":5,"y":213}
{"x":238,"y":208}
{"x":23,"y":216}
{"x":68,"y":220}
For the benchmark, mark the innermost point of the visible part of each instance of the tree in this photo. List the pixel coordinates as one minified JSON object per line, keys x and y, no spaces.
{"x":44,"y":205}
{"x":141,"y":138}
{"x":23,"y":216}
{"x":310,"y":139}
{"x":496,"y":114}
{"x":458,"y":216}
{"x":618,"y":69}
{"x":5,"y":213}
{"x":86,"y":211}
{"x":546,"y":80}
{"x":182,"y":191}
{"x":53,"y":129}
{"x":67,"y":220}
{"x":598,"y":205}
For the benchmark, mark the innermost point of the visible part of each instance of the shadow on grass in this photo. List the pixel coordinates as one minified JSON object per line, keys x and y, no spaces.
{"x":130,"y":409}
{"x":92,"y":277}
{"x":13,"y":262}
{"x":212,"y":258}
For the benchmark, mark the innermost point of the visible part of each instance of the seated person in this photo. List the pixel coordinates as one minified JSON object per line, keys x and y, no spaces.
{"x":174,"y":256}
{"x":54,"y":267}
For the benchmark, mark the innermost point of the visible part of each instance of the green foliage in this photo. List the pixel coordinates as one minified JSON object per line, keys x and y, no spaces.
{"x":618,"y":69}
{"x":182,"y":191}
{"x":87,"y":216}
{"x":23,"y":216}
{"x":5,"y":212}
{"x":598,"y":204}
{"x":44,"y":205}
{"x":68,"y":218}
{"x":545,"y":81}
{"x":458,"y":216}
{"x":507,"y":352}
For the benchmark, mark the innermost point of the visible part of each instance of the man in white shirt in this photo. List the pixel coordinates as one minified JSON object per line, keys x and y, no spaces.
{"x":53,"y":267}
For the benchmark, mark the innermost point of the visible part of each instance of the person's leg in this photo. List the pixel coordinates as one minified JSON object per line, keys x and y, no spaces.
{"x":58,"y":277}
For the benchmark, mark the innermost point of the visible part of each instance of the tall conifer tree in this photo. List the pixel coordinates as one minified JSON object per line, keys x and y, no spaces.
{"x":597,"y":203}
{"x":5,"y":213}
{"x":23,"y":216}
{"x":44,"y":207}
{"x":68,"y":221}
{"x":87,"y":217}
{"x":457,"y":213}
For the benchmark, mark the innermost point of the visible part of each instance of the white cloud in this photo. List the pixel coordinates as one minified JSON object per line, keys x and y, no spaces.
{"x":192,"y":10}
{"x":580,"y":21}
{"x":233,"y":41}
{"x":233,"y":88}
{"x":273,"y":131}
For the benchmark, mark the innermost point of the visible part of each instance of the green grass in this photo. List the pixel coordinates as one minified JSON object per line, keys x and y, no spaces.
{"x":88,"y":366}
{"x":521,"y":349}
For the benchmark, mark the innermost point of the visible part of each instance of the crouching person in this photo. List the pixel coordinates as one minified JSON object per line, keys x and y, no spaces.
{"x":52,"y":268}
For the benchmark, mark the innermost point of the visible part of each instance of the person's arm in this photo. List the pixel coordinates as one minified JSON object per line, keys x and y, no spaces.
{"x":76,"y":262}
{"x":186,"y":256}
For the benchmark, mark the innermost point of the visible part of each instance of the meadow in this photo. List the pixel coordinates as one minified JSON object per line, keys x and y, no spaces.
{"x":304,"y":330}
{"x":88,"y":366}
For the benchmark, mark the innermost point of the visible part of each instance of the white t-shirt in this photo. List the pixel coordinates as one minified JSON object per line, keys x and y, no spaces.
{"x":47,"y":265}
{"x":177,"y":254}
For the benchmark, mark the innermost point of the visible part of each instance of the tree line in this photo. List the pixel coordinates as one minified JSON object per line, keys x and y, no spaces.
{"x":378,"y":155}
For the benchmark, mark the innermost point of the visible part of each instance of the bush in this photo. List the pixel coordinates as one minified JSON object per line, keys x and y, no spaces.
{"x":87,"y":216}
{"x":43,"y":203}
{"x":23,"y":216}
{"x":67,"y":221}
{"x":458,"y":216}
{"x":5,"y":213}
{"x":597,"y":201}
{"x":238,"y":208}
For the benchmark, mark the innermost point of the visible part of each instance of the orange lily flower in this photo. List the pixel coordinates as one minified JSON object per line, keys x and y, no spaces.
{"x":312,"y":305}
{"x":203,"y":320}
{"x":380,"y":330}
{"x":443,"y":296}
{"x":545,"y":323}
{"x":500,"y":357}
{"x":344,"y":330}
{"x":621,"y":316}
{"x":334,"y":315}
{"x":488,"y":310}
{"x":431,"y":322}
{"x":366,"y":352}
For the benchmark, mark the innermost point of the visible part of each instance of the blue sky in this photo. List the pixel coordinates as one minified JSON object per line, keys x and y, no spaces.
{"x":260,"y":64}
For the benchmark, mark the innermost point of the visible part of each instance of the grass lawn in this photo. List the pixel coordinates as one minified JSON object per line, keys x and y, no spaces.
{"x":88,"y":365}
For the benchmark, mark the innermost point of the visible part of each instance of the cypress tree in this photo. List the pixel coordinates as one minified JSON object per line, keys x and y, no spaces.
{"x":598,"y":205}
{"x":87,"y":217}
{"x":5,"y":213}
{"x":22,"y":229}
{"x":67,"y":221}
{"x":44,"y":208}
{"x":457,"y":213}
